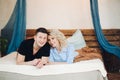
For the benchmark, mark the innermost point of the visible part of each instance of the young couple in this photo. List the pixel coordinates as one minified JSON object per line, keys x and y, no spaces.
{"x":45,"y":48}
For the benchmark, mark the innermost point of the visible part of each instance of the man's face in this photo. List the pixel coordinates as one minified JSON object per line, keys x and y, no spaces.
{"x":40,"y":39}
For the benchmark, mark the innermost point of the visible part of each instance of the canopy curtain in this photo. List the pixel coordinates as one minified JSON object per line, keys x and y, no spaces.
{"x":104,"y":44}
{"x":17,"y":24}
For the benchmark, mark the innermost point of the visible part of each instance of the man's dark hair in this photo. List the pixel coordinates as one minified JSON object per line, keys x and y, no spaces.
{"x":43,"y":30}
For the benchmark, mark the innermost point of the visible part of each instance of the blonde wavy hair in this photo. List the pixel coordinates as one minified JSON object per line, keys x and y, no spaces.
{"x":59,"y":36}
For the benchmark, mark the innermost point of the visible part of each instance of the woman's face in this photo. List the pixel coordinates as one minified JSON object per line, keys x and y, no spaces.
{"x":53,"y":41}
{"x":40,"y":39}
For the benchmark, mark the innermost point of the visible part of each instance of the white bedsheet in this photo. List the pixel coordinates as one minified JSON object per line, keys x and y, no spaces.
{"x":8,"y":64}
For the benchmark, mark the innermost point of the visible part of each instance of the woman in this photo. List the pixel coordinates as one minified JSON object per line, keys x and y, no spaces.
{"x":61,"y":52}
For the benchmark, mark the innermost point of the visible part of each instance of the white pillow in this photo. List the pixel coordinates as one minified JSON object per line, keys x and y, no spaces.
{"x":77,"y":40}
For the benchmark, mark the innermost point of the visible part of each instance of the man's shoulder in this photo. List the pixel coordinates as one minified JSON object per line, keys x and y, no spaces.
{"x":47,"y":44}
{"x":27,"y":41}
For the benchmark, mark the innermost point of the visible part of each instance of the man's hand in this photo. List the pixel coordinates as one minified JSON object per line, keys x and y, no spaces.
{"x":40,"y":64}
{"x":35,"y":62}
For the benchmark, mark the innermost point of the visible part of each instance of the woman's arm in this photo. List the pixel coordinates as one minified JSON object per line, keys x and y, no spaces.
{"x":71,"y":54}
{"x":51,"y":63}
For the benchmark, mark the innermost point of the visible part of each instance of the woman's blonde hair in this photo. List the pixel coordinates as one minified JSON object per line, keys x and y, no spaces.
{"x":59,"y":36}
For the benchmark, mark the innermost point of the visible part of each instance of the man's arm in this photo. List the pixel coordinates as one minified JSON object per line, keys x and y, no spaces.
{"x":20,"y":60}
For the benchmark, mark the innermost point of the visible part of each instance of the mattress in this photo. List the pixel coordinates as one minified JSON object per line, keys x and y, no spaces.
{"x":83,"y":70}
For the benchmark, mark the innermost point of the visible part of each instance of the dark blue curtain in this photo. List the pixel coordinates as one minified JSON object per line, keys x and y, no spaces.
{"x":104,"y":44}
{"x":7,"y":31}
{"x":17,"y":24}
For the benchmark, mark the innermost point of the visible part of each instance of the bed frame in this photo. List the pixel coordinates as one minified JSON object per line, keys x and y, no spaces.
{"x":112,"y":35}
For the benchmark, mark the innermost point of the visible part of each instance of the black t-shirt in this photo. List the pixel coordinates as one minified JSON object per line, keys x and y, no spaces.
{"x":26,"y":49}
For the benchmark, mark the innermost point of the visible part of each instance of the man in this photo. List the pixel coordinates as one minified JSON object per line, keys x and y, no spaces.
{"x":34,"y":51}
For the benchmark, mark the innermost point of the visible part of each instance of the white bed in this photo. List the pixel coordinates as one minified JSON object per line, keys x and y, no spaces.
{"x":84,"y":70}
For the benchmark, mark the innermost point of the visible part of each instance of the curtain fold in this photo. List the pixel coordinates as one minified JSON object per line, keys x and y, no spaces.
{"x":7,"y":31}
{"x":17,"y":24}
{"x":104,"y":44}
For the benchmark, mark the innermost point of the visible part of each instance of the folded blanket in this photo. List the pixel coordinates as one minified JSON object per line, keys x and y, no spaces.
{"x":87,"y":53}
